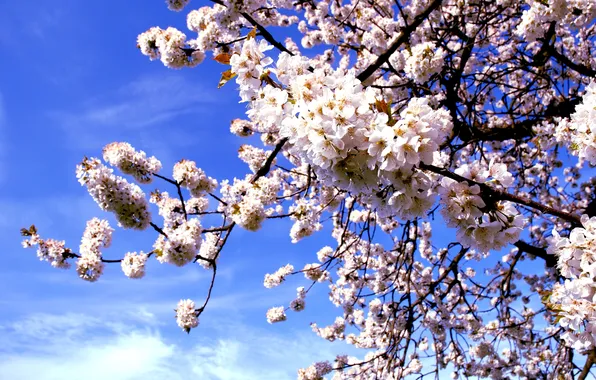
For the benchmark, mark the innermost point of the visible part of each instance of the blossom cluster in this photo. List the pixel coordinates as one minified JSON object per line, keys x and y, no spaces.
{"x":306,"y":215}
{"x":169,"y":208}
{"x":479,"y":225}
{"x":275,"y":279}
{"x":174,"y":211}
{"x":113,"y":193}
{"x":573,"y":301}
{"x":210,"y":247}
{"x":535,"y":19}
{"x":423,"y":61}
{"x":169,"y":46}
{"x":330,"y":124}
{"x":89,"y":265}
{"x":186,"y":315}
{"x":254,"y":157}
{"x":179,"y":245}
{"x":50,"y":250}
{"x":579,"y":131}
{"x":177,"y":5}
{"x":298,"y":303}
{"x":241,"y":128}
{"x":133,"y":264}
{"x":129,"y":161}
{"x":249,"y":65}
{"x":276,"y":314}
{"x":316,"y":371}
{"x":245,"y":200}
{"x":97,"y":235}
{"x":193,"y":178}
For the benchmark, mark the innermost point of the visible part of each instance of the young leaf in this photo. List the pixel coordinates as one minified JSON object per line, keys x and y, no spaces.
{"x":223,"y":58}
{"x":225,"y":77}
{"x":252,"y":33}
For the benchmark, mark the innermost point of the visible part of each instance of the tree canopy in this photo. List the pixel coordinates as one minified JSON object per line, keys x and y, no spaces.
{"x":387,"y":124}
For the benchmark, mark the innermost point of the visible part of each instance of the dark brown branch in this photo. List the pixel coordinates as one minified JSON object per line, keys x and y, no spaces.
{"x":590,"y":360}
{"x":158,"y":229}
{"x":496,"y":195}
{"x":267,"y":165}
{"x":523,"y":129}
{"x":218,"y":199}
{"x":550,"y":260}
{"x":68,"y":254}
{"x":279,"y":216}
{"x":502,"y":195}
{"x":541,"y":57}
{"x":263,"y":171}
{"x":179,"y":190}
{"x":583,"y":70}
{"x":211,"y":286}
{"x":205,"y":213}
{"x":433,"y":285}
{"x":265,"y":33}
{"x":217,"y":229}
{"x":166,"y":179}
{"x":403,"y":37}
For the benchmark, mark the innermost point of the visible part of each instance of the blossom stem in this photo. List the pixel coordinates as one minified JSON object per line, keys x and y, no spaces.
{"x":403,"y":37}
{"x":496,"y":194}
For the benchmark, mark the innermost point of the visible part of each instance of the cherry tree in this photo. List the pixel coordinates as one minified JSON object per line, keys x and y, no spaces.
{"x":380,"y":122}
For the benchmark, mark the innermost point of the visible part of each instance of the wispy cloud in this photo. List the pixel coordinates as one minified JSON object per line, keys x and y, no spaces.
{"x":157,"y":295}
{"x":64,"y":346}
{"x":144,"y":102}
{"x":160,"y":113}
{"x":30,"y":21}
{"x":250,"y":353}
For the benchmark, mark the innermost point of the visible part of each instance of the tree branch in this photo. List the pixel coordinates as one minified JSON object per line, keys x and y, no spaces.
{"x":265,"y":33}
{"x":496,"y":194}
{"x":590,"y":360}
{"x":403,"y":37}
{"x":583,"y":70}
{"x":550,"y":260}
{"x":263,"y":170}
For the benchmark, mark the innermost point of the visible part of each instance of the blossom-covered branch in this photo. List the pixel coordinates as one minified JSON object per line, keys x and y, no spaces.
{"x":425,"y":137}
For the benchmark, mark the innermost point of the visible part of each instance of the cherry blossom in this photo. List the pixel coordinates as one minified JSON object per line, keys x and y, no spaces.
{"x":186,"y":315}
{"x":440,"y":150}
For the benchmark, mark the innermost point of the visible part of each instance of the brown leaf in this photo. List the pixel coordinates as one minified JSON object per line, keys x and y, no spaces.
{"x":252,"y":33}
{"x":382,"y":105}
{"x":29,"y":232}
{"x":225,"y":77}
{"x":223,"y":58}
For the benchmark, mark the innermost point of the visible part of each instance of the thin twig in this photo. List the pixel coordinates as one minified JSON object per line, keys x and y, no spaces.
{"x":403,"y":37}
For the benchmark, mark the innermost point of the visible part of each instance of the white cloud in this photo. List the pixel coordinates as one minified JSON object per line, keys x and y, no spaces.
{"x":142,"y":109}
{"x":160,"y":115}
{"x":71,"y":346}
{"x":47,"y":347}
{"x":31,"y":21}
{"x":255,"y":354}
{"x":142,"y":103}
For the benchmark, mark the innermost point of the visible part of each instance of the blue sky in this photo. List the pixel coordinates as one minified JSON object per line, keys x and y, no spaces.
{"x":72,"y":81}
